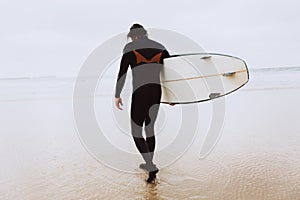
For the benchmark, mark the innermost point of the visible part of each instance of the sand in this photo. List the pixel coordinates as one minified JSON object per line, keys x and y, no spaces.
{"x":257,"y":157}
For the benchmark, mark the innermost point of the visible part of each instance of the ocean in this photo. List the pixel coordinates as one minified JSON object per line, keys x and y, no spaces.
{"x":256,"y":157}
{"x":25,"y":88}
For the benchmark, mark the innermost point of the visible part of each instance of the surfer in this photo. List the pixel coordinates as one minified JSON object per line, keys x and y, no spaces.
{"x":145,"y":57}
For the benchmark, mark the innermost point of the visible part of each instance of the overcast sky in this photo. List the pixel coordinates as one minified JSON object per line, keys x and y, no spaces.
{"x":55,"y":37}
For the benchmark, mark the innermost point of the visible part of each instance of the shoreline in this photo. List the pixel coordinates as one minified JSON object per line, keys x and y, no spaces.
{"x":257,"y":156}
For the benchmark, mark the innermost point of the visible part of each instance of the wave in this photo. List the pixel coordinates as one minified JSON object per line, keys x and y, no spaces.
{"x":276,"y":69}
{"x":13,"y":88}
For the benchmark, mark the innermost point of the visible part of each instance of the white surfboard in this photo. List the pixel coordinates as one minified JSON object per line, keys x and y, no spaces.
{"x":201,"y":77}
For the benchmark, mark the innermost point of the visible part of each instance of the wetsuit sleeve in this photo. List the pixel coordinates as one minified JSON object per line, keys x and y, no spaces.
{"x":165,"y":54}
{"x":122,"y":74}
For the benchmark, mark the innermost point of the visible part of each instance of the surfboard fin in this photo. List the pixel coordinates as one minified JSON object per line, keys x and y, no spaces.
{"x":205,"y":57}
{"x":214,"y":95}
{"x":229,"y":74}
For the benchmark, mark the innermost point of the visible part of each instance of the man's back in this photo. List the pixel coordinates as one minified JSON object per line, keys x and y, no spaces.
{"x":145,"y":58}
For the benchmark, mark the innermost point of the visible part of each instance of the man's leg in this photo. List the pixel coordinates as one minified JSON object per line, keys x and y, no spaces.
{"x":149,"y":127}
{"x":152,"y":111}
{"x":150,"y":137}
{"x":138,"y":114}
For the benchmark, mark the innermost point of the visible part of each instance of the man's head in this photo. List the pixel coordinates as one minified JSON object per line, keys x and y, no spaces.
{"x":137,"y":31}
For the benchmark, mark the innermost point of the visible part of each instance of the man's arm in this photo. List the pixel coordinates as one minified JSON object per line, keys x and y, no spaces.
{"x":165,"y":54}
{"x":122,"y":74}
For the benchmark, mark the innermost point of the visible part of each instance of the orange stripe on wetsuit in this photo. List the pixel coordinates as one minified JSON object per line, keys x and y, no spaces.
{"x":141,"y":59}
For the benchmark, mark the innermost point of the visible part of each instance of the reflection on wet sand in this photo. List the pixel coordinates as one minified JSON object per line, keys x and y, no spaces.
{"x":256,"y":158}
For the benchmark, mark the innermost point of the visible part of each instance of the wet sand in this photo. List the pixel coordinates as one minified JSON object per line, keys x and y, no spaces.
{"x":257,"y":157}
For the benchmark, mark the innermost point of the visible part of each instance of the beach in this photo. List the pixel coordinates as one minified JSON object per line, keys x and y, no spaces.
{"x":256,"y":157}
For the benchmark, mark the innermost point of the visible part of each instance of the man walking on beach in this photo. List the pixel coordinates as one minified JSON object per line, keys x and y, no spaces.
{"x":145,"y":58}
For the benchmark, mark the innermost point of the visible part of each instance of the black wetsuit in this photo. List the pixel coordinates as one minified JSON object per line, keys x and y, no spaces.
{"x":145,"y":57}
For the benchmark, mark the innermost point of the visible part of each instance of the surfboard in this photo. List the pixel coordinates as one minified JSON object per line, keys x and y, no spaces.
{"x":191,"y":78}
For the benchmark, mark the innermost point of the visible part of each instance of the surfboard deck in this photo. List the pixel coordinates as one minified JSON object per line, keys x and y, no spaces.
{"x":192,"y":78}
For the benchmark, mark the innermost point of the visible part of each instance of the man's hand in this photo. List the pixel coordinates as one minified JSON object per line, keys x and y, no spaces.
{"x":119,"y":102}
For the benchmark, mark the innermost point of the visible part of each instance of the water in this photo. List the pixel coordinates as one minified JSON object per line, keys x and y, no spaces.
{"x":62,"y":87}
{"x":257,"y":156}
{"x":274,"y":78}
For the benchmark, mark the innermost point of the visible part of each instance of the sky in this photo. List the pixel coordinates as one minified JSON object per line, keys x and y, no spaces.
{"x":41,"y":38}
